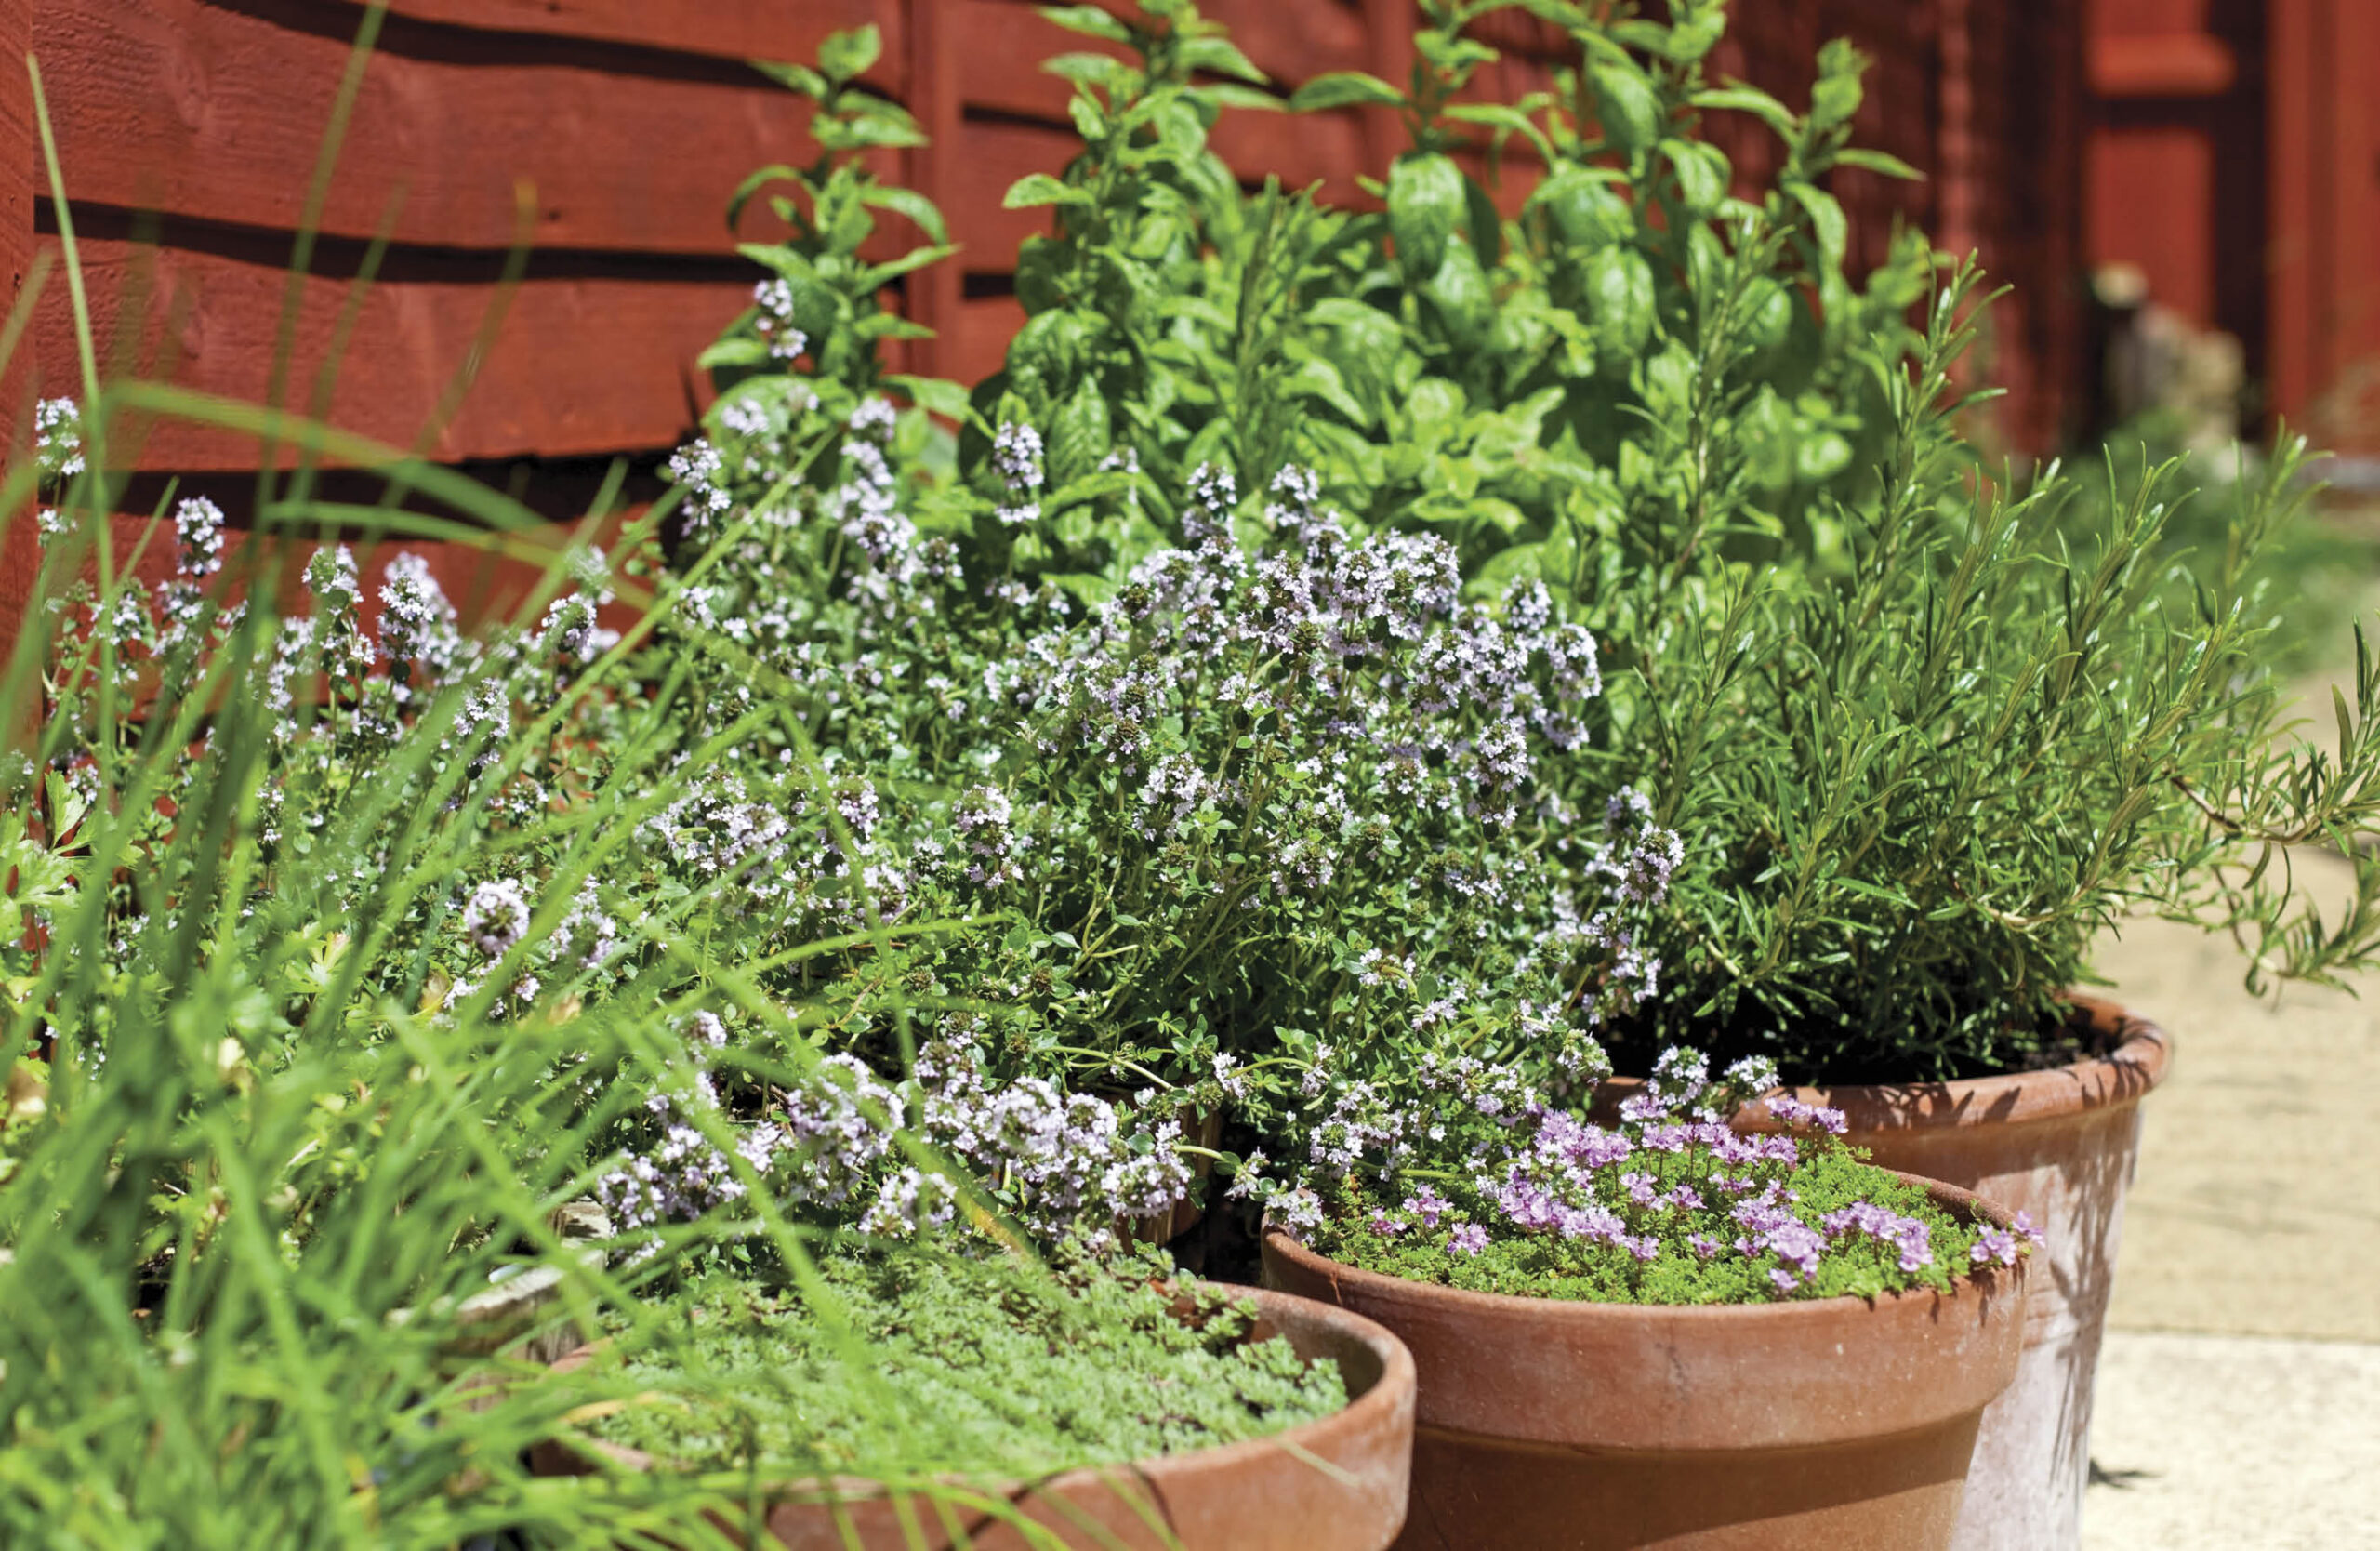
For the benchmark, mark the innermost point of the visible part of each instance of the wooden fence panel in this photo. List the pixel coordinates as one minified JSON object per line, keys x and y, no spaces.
{"x":584,"y":364}
{"x":187,"y":108}
{"x":211,"y":113}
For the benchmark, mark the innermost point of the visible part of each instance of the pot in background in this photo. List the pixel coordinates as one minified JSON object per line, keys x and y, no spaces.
{"x":1833,"y":1425}
{"x":2059,"y":1145}
{"x":1334,"y":1484}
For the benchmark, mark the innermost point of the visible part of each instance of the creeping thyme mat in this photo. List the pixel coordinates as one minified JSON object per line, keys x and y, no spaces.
{"x":962,"y":1367}
{"x":1592,"y":1270}
{"x":1671,"y":1207}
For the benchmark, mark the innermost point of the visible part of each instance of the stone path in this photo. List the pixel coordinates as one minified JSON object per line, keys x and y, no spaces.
{"x":2238,"y":1399}
{"x":2234,"y":1443}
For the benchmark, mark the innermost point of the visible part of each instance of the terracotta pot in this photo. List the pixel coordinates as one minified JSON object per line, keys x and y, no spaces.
{"x":1336,"y":1484}
{"x":2060,"y":1144}
{"x":1836,"y":1425}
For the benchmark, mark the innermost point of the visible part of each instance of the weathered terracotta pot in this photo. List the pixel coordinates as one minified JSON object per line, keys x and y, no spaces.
{"x":1837,"y":1424}
{"x":1336,"y":1484}
{"x":2060,"y":1144}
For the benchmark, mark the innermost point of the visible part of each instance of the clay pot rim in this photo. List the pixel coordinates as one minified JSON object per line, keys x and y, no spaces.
{"x":1985,"y":1280}
{"x":2143,"y":1053}
{"x":1376,"y":1407}
{"x":2125,"y":1075}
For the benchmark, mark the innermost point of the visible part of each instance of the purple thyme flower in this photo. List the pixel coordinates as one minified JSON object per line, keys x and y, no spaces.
{"x":1994,"y":1246}
{"x":1428,"y":1205}
{"x":1794,"y":1111}
{"x":1905,"y":1234}
{"x":496,"y":916}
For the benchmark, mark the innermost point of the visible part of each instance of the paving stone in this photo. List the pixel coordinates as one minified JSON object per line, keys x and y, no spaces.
{"x":2231,"y":1443}
{"x":2257,"y":1207}
{"x":2238,"y":1393}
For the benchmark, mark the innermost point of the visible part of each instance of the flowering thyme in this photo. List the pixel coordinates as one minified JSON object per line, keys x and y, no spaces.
{"x":58,"y":438}
{"x":1069,"y":1166}
{"x":773,"y":301}
{"x":699,"y":470}
{"x":1016,"y":457}
{"x":1672,"y":1204}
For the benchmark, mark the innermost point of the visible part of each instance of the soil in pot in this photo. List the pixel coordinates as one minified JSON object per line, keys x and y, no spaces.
{"x":1183,"y":1414}
{"x":1826,"y":1423}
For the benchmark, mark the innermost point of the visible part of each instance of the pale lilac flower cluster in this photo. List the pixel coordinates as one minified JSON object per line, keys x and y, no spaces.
{"x":198,"y":537}
{"x":1402,"y":709}
{"x":347,"y":653}
{"x":480,"y":723}
{"x":1016,"y":457}
{"x":1065,"y":1162}
{"x":720,"y":828}
{"x":774,"y":300}
{"x":595,"y":936}
{"x":985,"y":823}
{"x":1906,"y":1235}
{"x":786,"y":849}
{"x":781,"y":600}
{"x":1788,"y":1111}
{"x":866,"y":508}
{"x":496,"y":916}
{"x":701,"y":472}
{"x":832,"y":1134}
{"x":875,"y":418}
{"x":1067,"y":1165}
{"x":570,"y":633}
{"x":681,"y":1177}
{"x":198,"y":545}
{"x":58,"y":438}
{"x":416,"y":625}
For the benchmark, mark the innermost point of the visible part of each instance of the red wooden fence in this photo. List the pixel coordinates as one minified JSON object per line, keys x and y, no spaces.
{"x":609,"y":133}
{"x":2233,"y":158}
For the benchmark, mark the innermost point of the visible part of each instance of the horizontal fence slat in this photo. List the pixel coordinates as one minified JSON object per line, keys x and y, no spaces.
{"x":583,"y":364}
{"x":731,"y":29}
{"x":180,"y":106}
{"x":1002,"y":43}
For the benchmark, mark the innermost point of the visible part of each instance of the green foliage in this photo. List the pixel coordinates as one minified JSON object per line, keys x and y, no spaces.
{"x":1914,"y":796}
{"x":2319,"y":569}
{"x":826,"y":300}
{"x":1153,"y":307}
{"x":966,"y":1367}
{"x":254,"y":1166}
{"x":1645,"y":360}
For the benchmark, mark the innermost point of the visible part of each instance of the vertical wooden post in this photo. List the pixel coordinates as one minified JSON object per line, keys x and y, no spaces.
{"x":2300,"y":148}
{"x":1389,"y":25}
{"x":19,"y":161}
{"x":20,"y":176}
{"x":936,"y":292}
{"x":2323,"y":145}
{"x":1956,"y":229}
